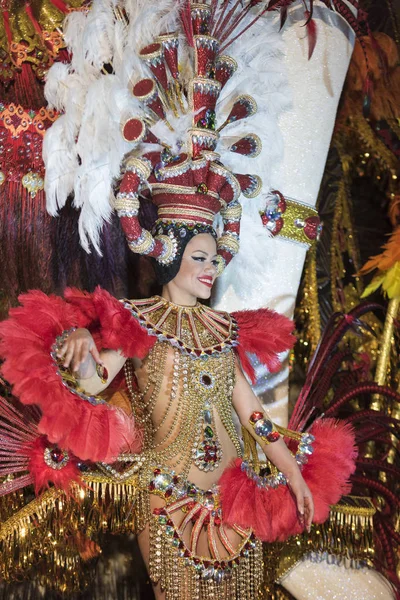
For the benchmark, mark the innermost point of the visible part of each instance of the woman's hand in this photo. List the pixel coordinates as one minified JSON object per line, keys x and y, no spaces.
{"x":304,"y":499}
{"x":76,"y":353}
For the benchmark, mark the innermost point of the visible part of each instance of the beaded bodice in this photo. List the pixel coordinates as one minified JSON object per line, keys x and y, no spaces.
{"x":185,"y":386}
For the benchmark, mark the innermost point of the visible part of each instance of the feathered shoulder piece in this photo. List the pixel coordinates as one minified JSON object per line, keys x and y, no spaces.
{"x":85,"y":425}
{"x":266,"y":334}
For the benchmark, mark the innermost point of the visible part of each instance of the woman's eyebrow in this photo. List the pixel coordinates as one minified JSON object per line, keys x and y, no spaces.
{"x":205,"y":253}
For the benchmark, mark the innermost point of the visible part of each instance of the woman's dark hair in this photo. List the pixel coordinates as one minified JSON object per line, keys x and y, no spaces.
{"x":183,"y":233}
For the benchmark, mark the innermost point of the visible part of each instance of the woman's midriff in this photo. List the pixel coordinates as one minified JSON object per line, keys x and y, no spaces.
{"x":173,"y":425}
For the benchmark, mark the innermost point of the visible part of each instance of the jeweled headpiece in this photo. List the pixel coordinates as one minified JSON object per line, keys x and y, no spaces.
{"x":193,"y":186}
{"x":171,"y":131}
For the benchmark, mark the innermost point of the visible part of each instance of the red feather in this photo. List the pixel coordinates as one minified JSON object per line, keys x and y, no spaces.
{"x":264,"y":333}
{"x":43,"y":475}
{"x":119,"y":329}
{"x":272,"y":513}
{"x":22,"y":450}
{"x":186,"y":19}
{"x":311,"y":28}
{"x":97,"y":433}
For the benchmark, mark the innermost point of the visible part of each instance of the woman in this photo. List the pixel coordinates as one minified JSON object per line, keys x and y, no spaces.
{"x":189,"y":436}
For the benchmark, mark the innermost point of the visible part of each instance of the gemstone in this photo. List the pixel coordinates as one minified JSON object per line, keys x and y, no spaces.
{"x":206,"y":380}
{"x":208,"y":432}
{"x":312,"y":227}
{"x":256,"y":416}
{"x":57,"y":455}
{"x":166,"y":156}
{"x":273,"y":437}
{"x":208,"y":573}
{"x":306,"y":449}
{"x":299,"y":223}
{"x":202,"y":188}
{"x":191,"y":491}
{"x":263,"y":427}
{"x":207,"y":416}
{"x":162,"y":481}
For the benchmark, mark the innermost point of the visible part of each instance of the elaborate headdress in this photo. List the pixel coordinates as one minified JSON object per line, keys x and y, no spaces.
{"x":169,"y":142}
{"x":146,"y":97}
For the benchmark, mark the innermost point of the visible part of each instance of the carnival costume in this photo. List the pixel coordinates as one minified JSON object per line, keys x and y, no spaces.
{"x":172,"y":154}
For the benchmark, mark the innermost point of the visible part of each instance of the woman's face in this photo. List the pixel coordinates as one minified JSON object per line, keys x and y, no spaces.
{"x":198,"y":268}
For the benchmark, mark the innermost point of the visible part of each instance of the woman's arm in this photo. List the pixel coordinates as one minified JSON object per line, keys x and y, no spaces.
{"x":81,"y":354}
{"x":245,"y":402}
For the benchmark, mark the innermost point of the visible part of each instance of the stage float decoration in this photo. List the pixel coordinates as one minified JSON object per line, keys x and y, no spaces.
{"x":134,"y":132}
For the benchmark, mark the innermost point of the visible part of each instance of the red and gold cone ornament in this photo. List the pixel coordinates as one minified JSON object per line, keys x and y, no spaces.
{"x":249,"y":184}
{"x":153,"y":56}
{"x":206,"y":48}
{"x":201,"y":15}
{"x":191,"y":186}
{"x":204,"y":96}
{"x":134,"y":130}
{"x":146,"y":91}
{"x":243,"y":107}
{"x":250,"y":145}
{"x":225,"y":67}
{"x":170,"y":44}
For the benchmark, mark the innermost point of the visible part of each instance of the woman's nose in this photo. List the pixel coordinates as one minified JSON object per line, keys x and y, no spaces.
{"x":209,"y":268}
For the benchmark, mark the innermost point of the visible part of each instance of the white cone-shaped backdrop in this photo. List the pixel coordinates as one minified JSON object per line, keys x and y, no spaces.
{"x":267,"y":270}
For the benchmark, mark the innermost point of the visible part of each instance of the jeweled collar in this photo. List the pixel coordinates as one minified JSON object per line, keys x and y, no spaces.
{"x":197,"y":330}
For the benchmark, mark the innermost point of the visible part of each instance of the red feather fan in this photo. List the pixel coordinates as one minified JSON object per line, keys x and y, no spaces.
{"x":97,"y":433}
{"x":272,"y":513}
{"x":23,"y":449}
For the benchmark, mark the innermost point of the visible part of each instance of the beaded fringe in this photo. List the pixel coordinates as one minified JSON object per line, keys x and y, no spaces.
{"x":181,"y":581}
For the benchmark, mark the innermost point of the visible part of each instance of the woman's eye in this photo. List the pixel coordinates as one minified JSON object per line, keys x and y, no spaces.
{"x":199,"y":258}
{"x":215,"y":263}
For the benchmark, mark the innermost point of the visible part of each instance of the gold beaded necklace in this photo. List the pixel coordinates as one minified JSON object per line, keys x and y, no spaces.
{"x":200,"y":382}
